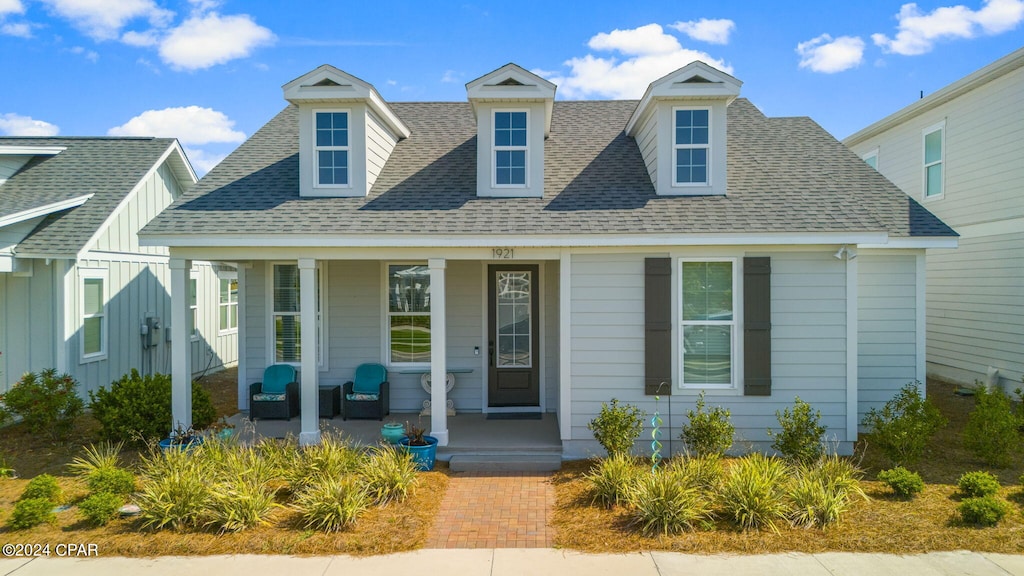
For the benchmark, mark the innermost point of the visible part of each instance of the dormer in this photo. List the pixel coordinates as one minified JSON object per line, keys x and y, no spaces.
{"x":346,"y":132}
{"x":513,"y":117}
{"x":680,"y":128}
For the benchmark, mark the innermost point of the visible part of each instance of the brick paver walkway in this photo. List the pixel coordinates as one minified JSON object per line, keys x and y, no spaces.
{"x":495,"y":510}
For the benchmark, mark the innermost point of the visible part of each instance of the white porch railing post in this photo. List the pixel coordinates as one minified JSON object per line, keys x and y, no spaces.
{"x":438,"y":353}
{"x":310,"y":433}
{"x":181,"y":346}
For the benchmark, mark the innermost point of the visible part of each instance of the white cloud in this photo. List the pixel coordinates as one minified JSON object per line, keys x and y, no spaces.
{"x":705,"y":30}
{"x":103,"y":20}
{"x":917,"y":31}
{"x":450,"y":76}
{"x":12,"y":124}
{"x":19,"y":29}
{"x":651,"y":53}
{"x":823,"y":54}
{"x":207,"y":40}
{"x":89,"y":55}
{"x":203,"y":161}
{"x":150,"y":37}
{"x":189,"y":124}
{"x":11,"y":7}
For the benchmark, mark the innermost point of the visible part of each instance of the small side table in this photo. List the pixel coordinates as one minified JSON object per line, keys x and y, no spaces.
{"x":330,"y":401}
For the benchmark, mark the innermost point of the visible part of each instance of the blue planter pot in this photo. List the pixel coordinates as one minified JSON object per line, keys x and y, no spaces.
{"x":424,"y":456}
{"x":393,"y":432}
{"x":168,"y":444}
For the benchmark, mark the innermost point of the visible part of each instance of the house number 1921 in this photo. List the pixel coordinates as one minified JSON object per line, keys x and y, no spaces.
{"x":503,"y":253}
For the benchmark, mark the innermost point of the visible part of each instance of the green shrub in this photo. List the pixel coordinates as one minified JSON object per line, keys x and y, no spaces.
{"x":991,"y":432}
{"x":46,"y":403}
{"x":612,"y":479}
{"x":977,"y":484}
{"x":755,"y":492}
{"x":983,"y":511}
{"x":137,"y":408}
{"x":43,"y":486}
{"x":822,"y":491}
{"x":102,"y":456}
{"x":240,"y":504}
{"x":903,"y":427}
{"x":100,"y":508}
{"x":389,"y":474}
{"x":332,"y":503}
{"x":617,"y":427}
{"x":31,"y":512}
{"x":800,"y":439}
{"x":708,"y":432}
{"x":176,"y":490}
{"x":111,"y":481}
{"x":664,"y":505}
{"x":904,"y":483}
{"x":702,"y":472}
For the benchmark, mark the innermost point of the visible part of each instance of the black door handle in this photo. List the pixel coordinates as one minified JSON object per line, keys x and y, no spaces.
{"x":490,"y":353}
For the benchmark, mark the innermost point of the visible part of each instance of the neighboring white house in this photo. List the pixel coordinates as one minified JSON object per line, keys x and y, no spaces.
{"x":77,"y":291}
{"x":960,"y":152}
{"x":556,"y":254}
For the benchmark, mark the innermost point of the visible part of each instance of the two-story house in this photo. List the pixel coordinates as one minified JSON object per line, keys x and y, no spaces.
{"x":553,"y":255}
{"x":960,"y":153}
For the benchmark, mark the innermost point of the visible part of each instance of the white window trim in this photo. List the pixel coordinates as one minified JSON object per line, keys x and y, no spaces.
{"x":736,"y":350}
{"x":495,"y":149}
{"x":709,"y":146}
{"x":194,"y":276}
{"x":322,"y":331}
{"x":941,"y":162}
{"x":93,"y":274}
{"x":227,"y":276}
{"x":869,"y":154}
{"x":317,"y":149}
{"x":385,"y":333}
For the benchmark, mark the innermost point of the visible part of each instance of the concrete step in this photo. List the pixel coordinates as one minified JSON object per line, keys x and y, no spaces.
{"x":535,"y":462}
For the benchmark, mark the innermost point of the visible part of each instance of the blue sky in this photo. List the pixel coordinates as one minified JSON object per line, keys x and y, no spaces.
{"x":209,"y":72}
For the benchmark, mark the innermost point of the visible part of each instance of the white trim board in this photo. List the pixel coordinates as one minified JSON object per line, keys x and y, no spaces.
{"x":44,"y":210}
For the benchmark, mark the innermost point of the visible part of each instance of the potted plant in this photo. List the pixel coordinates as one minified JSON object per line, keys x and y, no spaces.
{"x":423,"y":448}
{"x":393,"y":432}
{"x":182,"y":439}
{"x":222,"y":429}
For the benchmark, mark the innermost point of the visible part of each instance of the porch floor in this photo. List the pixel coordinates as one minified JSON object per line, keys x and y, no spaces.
{"x":468,"y":433}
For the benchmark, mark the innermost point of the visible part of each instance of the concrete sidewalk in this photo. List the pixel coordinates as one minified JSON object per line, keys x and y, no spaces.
{"x":525,"y":562}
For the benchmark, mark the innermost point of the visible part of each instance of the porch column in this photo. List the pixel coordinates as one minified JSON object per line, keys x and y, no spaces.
{"x":310,"y":433}
{"x":565,"y":345}
{"x":181,"y":346}
{"x":438,"y":353}
{"x":243,"y":384}
{"x":852,"y":337}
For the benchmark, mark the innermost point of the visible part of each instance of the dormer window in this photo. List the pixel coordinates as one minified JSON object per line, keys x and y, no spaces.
{"x":510,"y":148}
{"x":331,"y":150}
{"x":692,"y":146}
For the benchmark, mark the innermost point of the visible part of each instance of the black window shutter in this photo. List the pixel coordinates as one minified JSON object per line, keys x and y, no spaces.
{"x":658,"y":326}
{"x":757,"y":326}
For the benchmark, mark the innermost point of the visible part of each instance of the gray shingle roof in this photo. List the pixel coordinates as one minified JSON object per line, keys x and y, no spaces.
{"x":107,"y":168}
{"x":784,"y":175}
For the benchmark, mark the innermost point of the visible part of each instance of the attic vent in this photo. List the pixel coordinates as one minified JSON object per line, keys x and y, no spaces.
{"x":696,"y":80}
{"x":327,"y":82}
{"x":510,"y":82}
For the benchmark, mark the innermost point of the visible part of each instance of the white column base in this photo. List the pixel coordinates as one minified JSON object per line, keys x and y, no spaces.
{"x":309,"y":438}
{"x":441,"y":435}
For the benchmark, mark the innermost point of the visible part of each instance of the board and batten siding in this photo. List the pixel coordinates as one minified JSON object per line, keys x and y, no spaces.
{"x":155,"y":193}
{"x":808,"y":348}
{"x":886,"y":326}
{"x":28,"y":317}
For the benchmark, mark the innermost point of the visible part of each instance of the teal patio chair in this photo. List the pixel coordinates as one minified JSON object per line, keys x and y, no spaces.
{"x":368,"y":394}
{"x":277,"y":396}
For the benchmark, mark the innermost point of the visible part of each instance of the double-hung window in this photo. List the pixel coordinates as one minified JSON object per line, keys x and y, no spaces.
{"x":934,"y":157}
{"x":94,"y":314}
{"x":708,"y":322}
{"x":691,"y":146}
{"x":510,"y":148}
{"x":331,"y":152}
{"x":228,"y":304}
{"x":286,"y":314}
{"x":408,"y":313}
{"x":193,"y":306}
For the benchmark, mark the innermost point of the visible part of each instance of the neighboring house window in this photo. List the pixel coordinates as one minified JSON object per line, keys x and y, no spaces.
{"x":871,"y":159}
{"x":331,"y":150}
{"x":94,"y":315}
{"x":408,"y":313}
{"x":934,"y":156}
{"x":228,"y":304}
{"x":692,"y":146}
{"x":286,"y":314}
{"x":708,"y":322}
{"x":510,"y":148}
{"x":193,"y":305}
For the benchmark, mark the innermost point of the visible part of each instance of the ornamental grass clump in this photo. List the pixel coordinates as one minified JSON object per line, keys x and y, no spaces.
{"x":903,"y":427}
{"x":707,"y":432}
{"x":617,"y":427}
{"x":903,"y":482}
{"x":821,"y":492}
{"x":705,"y":473}
{"x":176,"y":489}
{"x":663,"y":504}
{"x":389,"y":474}
{"x":333,"y":456}
{"x":755,"y":492}
{"x":240,"y":504}
{"x":332,"y":503}
{"x":978,"y":484}
{"x":992,"y":430}
{"x":801,"y":438}
{"x":103,"y":456}
{"x":612,"y":479}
